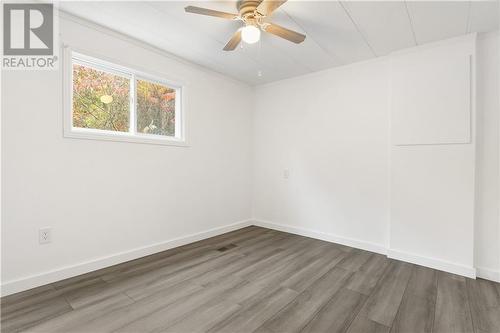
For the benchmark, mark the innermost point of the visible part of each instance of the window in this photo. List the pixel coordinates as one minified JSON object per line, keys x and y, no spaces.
{"x":111,"y":102}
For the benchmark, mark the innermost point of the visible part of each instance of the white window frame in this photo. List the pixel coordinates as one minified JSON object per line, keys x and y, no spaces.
{"x":84,"y":58}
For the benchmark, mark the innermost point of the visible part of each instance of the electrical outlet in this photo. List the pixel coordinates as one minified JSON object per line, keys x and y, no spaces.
{"x":45,"y":235}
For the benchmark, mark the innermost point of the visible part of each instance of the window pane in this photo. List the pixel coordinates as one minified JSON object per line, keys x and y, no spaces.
{"x":100,"y":100}
{"x":155,"y":108}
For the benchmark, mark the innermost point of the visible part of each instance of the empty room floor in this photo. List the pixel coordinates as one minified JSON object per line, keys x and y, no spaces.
{"x":257,"y":279}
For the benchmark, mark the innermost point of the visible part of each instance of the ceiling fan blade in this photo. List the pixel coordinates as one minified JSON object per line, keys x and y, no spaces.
{"x":285,"y":33}
{"x":234,"y":41}
{"x":267,"y":7}
{"x":210,"y":12}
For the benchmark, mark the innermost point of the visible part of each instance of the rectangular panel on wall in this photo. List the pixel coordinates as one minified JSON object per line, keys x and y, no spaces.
{"x":431,"y":97}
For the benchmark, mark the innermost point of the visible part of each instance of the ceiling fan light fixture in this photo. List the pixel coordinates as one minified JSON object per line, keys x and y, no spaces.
{"x":254,"y":14}
{"x":250,"y":34}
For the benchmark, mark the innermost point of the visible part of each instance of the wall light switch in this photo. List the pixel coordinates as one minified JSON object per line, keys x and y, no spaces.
{"x":45,"y":235}
{"x":286,"y":173}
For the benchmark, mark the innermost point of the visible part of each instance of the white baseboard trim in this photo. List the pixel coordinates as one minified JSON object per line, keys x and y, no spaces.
{"x":25,"y":283}
{"x":488,"y":274}
{"x":438,"y":264}
{"x":377,"y":248}
{"x":363,"y":245}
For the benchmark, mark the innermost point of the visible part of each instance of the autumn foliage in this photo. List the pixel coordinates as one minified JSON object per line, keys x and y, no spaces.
{"x":155,"y":108}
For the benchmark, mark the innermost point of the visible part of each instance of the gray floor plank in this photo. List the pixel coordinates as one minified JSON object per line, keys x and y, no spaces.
{"x":304,"y":307}
{"x":452,"y":307}
{"x":23,"y":300}
{"x":86,"y":292}
{"x":70,"y":321}
{"x":264,"y":280}
{"x":292,"y":250}
{"x":34,"y":314}
{"x":311,"y":272}
{"x":165,"y":281}
{"x":423,"y":283}
{"x":176,"y":261}
{"x":214,"y":275}
{"x":383,"y":304}
{"x":361,"y":324}
{"x":287,"y":267}
{"x":365,"y":279}
{"x":355,"y":260}
{"x":416,"y":313}
{"x":338,"y":314}
{"x":484,"y":299}
{"x":250,"y":317}
{"x":112,"y":320}
{"x":207,"y":317}
{"x":160,"y":319}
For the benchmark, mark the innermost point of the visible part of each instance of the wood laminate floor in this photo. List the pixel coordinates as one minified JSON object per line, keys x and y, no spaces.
{"x":259,"y":280}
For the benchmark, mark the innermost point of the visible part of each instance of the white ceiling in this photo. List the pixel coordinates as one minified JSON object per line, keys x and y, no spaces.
{"x":338,"y":32}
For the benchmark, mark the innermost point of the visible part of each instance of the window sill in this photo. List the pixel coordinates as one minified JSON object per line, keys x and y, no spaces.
{"x":124,"y":137}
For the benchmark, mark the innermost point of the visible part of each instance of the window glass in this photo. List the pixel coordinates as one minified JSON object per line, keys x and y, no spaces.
{"x":155,"y":108}
{"x":101,"y":100}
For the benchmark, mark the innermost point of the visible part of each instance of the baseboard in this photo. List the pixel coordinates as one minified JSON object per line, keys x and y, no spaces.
{"x":363,"y":245}
{"x":438,"y":264}
{"x":25,"y":283}
{"x":488,"y":274}
{"x":372,"y":247}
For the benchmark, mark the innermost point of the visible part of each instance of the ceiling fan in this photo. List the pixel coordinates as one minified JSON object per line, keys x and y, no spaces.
{"x":253,"y":13}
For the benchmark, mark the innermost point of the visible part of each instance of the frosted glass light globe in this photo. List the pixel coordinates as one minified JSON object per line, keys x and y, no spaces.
{"x":250,"y":34}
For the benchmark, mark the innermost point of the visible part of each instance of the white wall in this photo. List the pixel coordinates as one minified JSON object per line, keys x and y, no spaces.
{"x":111,"y":201}
{"x":487,"y":231}
{"x":331,"y":130}
{"x":432,"y":174}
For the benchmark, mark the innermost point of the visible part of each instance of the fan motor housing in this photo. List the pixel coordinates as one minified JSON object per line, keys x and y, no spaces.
{"x":246,"y":8}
